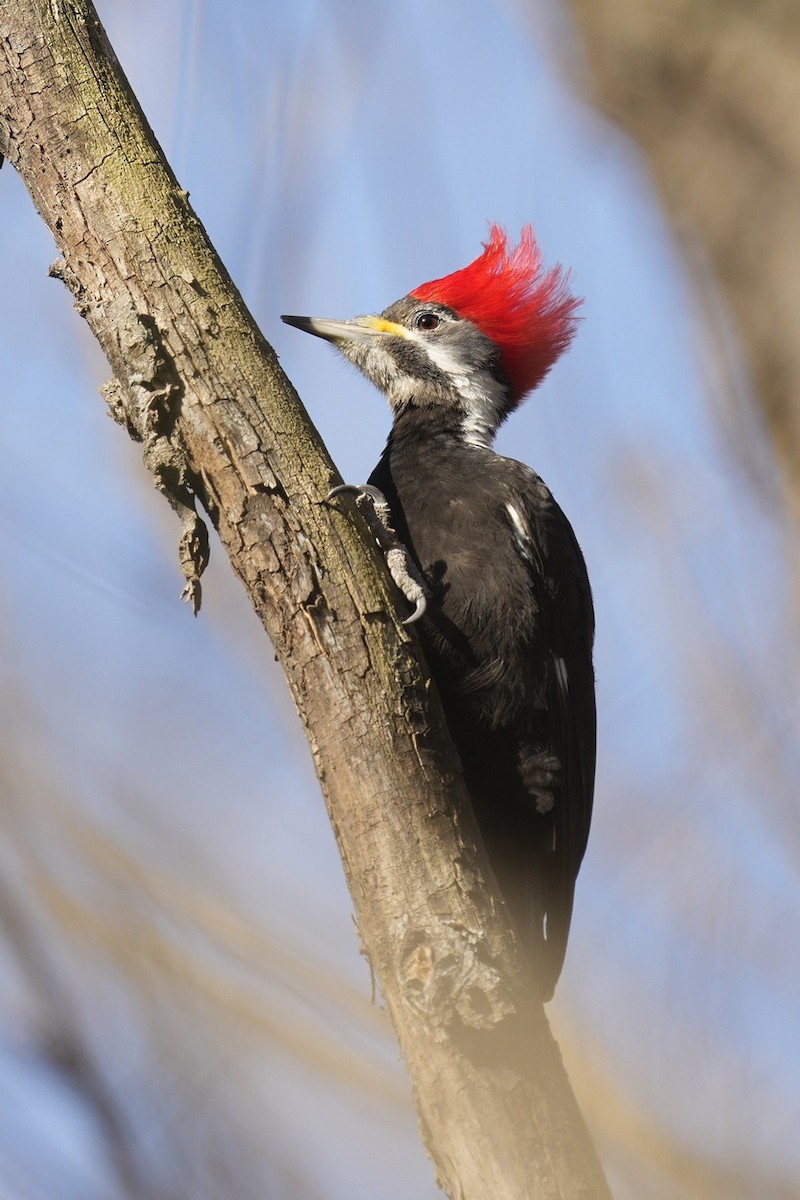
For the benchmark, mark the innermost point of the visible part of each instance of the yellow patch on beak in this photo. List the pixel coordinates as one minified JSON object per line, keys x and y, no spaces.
{"x":382,"y":326}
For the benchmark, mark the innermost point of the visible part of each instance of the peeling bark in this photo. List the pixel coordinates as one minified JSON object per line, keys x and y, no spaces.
{"x":196,"y":383}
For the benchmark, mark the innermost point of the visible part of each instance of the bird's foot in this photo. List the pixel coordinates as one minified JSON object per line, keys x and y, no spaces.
{"x":540,"y":773}
{"x":401,"y":566}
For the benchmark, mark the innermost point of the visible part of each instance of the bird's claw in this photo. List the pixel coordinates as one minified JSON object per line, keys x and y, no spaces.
{"x":408,"y":579}
{"x":360,"y":489}
{"x":419,"y":611}
{"x":401,"y":567}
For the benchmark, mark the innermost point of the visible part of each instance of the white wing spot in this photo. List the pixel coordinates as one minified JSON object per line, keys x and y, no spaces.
{"x":522,"y":533}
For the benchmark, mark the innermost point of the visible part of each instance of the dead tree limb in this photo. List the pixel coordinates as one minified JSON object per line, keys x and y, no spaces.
{"x":197,"y":384}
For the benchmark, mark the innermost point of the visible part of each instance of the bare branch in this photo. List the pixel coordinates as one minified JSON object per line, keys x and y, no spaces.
{"x":197,"y":384}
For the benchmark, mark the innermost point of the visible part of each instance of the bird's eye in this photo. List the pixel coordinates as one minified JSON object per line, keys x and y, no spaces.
{"x":427,"y":321}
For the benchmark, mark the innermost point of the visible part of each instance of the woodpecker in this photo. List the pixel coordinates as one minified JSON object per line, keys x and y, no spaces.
{"x":508,"y":624}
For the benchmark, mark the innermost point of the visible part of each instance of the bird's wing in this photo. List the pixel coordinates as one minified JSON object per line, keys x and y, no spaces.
{"x":546,"y":541}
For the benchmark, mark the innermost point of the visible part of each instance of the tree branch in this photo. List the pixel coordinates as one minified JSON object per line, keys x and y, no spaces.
{"x":197,"y":384}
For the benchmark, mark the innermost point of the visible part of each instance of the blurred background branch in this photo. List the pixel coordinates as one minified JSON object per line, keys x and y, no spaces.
{"x":711,"y":93}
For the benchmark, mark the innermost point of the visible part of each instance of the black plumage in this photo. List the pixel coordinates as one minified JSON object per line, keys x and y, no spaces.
{"x":508,"y":635}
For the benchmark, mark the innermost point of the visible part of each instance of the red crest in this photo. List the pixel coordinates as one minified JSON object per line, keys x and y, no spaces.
{"x":526,"y":311}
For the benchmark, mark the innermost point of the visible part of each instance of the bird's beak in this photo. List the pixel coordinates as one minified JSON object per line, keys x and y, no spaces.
{"x":358,"y":329}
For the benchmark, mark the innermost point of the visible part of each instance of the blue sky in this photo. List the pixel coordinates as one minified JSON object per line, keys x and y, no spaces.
{"x":339,"y":154}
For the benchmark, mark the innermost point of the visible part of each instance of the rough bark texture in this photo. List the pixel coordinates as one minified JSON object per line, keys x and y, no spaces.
{"x":196,"y":383}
